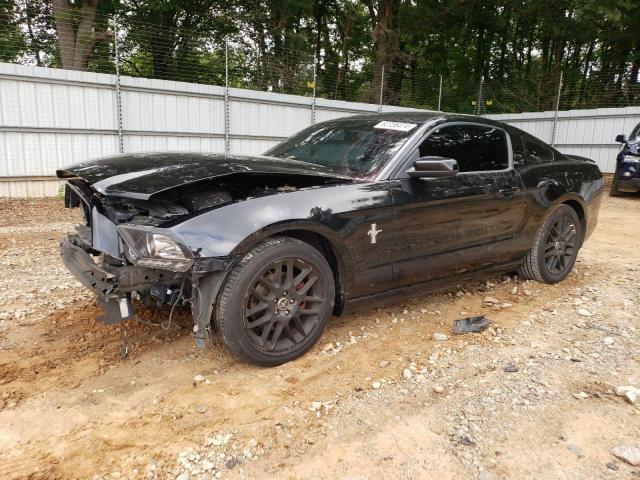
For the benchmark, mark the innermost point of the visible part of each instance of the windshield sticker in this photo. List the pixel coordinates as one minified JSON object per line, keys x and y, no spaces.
{"x":398,"y":126}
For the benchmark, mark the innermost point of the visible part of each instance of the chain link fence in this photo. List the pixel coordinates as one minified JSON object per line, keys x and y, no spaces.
{"x":247,"y":65}
{"x":33,"y":33}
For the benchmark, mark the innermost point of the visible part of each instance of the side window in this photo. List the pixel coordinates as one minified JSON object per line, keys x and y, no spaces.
{"x":538,"y":151}
{"x":476,"y":148}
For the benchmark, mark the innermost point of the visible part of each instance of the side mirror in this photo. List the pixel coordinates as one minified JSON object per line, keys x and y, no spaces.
{"x":622,"y":138}
{"x":430,"y":167}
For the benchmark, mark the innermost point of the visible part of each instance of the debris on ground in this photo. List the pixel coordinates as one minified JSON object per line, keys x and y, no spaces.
{"x":470,"y":325}
{"x":511,"y":367}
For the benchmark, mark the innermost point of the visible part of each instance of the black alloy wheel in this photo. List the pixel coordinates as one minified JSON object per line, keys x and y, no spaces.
{"x":284,"y":305}
{"x":560,"y":245}
{"x":276,"y":301}
{"x":555,"y":247}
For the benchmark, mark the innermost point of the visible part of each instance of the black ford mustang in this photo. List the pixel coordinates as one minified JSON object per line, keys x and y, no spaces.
{"x":344,"y":214}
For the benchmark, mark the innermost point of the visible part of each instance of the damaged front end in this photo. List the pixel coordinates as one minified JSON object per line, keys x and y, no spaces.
{"x":139,"y":208}
{"x":122,"y":263}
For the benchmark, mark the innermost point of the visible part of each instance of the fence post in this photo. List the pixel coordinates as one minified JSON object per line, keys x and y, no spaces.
{"x":118,"y":95}
{"x":381,"y":89}
{"x":313,"y":102}
{"x":227,"y":146}
{"x":554,"y":130}
{"x":440,"y":95}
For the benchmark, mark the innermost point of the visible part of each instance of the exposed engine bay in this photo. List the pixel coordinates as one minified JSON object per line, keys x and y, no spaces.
{"x":194,"y":198}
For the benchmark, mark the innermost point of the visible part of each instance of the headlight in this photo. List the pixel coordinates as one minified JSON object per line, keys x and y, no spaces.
{"x":631,"y":159}
{"x":148,"y":248}
{"x":162,"y":246}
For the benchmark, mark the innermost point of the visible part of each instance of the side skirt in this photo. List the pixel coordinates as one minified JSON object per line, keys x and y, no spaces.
{"x":389,"y":296}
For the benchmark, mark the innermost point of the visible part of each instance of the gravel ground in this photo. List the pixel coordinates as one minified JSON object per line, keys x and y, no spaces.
{"x":389,"y":393}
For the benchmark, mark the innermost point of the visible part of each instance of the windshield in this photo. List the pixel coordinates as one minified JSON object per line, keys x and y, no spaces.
{"x":359,"y":148}
{"x":635,"y":135}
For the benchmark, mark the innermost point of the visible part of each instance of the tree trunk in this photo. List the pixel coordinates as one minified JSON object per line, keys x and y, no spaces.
{"x":341,"y":87}
{"x":75,"y":37}
{"x":503,"y":44}
{"x":383,"y":36}
{"x":585,"y":71}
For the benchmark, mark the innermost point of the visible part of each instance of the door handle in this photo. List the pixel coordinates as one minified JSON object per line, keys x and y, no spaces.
{"x":548,"y":182}
{"x":508,"y":192}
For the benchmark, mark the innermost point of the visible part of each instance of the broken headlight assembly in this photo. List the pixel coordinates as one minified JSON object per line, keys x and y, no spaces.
{"x":148,"y":247}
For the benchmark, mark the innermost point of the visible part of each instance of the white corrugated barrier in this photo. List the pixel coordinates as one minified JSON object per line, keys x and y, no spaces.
{"x":589,"y":133}
{"x":50,"y":118}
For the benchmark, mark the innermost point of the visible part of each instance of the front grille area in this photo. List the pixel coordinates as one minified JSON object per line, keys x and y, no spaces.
{"x":85,"y":235}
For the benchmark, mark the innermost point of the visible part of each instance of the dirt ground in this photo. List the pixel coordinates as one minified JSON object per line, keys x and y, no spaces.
{"x":379,"y":397}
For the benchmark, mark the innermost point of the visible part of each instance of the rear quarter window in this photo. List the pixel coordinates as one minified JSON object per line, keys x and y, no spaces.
{"x":537,"y":151}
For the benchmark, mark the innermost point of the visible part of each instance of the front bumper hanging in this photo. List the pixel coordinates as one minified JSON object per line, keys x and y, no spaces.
{"x":113,"y":286}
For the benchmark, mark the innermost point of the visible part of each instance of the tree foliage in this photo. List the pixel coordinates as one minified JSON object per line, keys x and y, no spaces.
{"x":403,"y":49}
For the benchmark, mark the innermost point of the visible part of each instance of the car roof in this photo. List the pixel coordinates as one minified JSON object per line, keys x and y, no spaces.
{"x":423,"y":116}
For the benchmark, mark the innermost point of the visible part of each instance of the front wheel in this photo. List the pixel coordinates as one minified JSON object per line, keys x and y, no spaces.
{"x":555,"y":248}
{"x":276,"y":302}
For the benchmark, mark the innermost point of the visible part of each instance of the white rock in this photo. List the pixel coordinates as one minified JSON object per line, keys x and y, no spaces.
{"x":630,"y":393}
{"x":315,"y":406}
{"x":583,"y":312}
{"x":219,"y":439}
{"x":628,"y":453}
{"x":438,"y":389}
{"x":406,"y":374}
{"x":440,"y":337}
{"x":199,"y":378}
{"x":383,"y":364}
{"x":489,"y":301}
{"x":376,"y":385}
{"x":608,"y":340}
{"x":327,"y":347}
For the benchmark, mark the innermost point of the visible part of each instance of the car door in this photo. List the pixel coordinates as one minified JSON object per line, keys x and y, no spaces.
{"x":451,"y":225}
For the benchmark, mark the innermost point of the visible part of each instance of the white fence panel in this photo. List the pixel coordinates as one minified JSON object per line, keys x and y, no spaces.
{"x":590,"y":133}
{"x":50,"y":118}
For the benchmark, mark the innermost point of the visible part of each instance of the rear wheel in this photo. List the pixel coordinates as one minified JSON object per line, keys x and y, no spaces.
{"x":555,"y":248}
{"x":276,"y":302}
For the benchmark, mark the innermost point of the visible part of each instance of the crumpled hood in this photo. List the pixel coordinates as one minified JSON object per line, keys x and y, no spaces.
{"x":143,"y":175}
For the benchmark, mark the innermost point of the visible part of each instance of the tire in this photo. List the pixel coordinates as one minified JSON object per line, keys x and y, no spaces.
{"x":555,"y":247}
{"x":268,"y":317}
